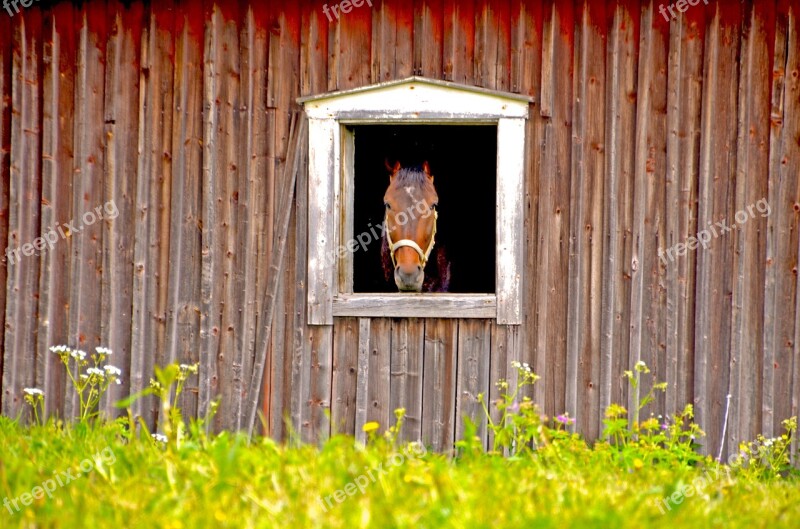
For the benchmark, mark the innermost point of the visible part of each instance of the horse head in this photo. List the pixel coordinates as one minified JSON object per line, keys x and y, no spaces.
{"x":410,"y":223}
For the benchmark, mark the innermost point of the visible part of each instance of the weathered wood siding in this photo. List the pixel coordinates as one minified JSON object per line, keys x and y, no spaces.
{"x":643,"y":132}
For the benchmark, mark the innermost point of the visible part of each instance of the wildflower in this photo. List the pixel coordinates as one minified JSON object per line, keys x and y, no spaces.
{"x":111,"y":370}
{"x":161,"y":438}
{"x":105,"y":351}
{"x":94,"y":371}
{"x":565,"y":419}
{"x":77,"y":354}
{"x":664,"y":426}
{"x":33,"y":391}
{"x":370,"y":426}
{"x":59,"y":349}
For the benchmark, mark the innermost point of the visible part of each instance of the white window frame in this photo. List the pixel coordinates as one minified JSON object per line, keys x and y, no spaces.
{"x":331,"y":150}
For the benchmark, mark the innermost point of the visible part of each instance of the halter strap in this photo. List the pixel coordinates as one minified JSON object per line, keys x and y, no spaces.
{"x":423,"y":256}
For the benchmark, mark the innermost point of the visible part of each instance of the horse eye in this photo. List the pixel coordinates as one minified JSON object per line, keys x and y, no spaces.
{"x":434,"y":205}
{"x":386,"y":205}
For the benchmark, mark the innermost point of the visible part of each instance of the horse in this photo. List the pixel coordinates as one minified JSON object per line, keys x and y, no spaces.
{"x":409,"y":230}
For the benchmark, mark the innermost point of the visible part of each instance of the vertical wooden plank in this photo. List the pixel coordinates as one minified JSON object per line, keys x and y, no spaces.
{"x":58,"y":98}
{"x":210,"y":286}
{"x":782,"y":301}
{"x":408,"y":342}
{"x":715,"y":204}
{"x":317,"y":425}
{"x":439,"y":384}
{"x":493,"y":44}
{"x":153,"y":181}
{"x":121,"y":118}
{"x":227,"y":164}
{"x":182,"y":342}
{"x":458,"y":50}
{"x":354,"y":66}
{"x":683,"y":122}
{"x":24,"y":215}
{"x":345,"y":376}
{"x":586,"y":210}
{"x":428,"y":29}
{"x":392,"y":40}
{"x":86,"y":243}
{"x":253,"y":44}
{"x":526,"y":40}
{"x":378,"y":373}
{"x":286,"y":379}
{"x":554,"y":207}
{"x":6,"y":54}
{"x":752,"y":170}
{"x":526,"y":78}
{"x":283,"y":86}
{"x":621,"y":74}
{"x":474,"y":353}
{"x":792,"y":151}
{"x":647,"y":326}
{"x":313,"y":49}
{"x":362,"y":381}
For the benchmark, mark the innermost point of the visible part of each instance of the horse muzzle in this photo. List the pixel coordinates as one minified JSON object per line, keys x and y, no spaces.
{"x":409,"y":278}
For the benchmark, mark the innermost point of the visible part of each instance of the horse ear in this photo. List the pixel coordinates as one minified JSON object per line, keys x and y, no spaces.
{"x":392,"y":170}
{"x":426,"y":168}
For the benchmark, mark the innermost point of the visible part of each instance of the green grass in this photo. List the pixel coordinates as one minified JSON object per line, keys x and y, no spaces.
{"x":224,"y":481}
{"x":644,"y":473}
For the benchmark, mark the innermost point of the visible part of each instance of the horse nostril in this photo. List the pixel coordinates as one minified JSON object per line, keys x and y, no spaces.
{"x":397,"y":268}
{"x":419,"y":268}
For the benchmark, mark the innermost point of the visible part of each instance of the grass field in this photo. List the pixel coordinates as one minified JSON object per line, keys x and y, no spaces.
{"x":96,"y":473}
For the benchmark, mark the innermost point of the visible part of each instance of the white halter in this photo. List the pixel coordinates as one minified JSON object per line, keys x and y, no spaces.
{"x":423,"y":256}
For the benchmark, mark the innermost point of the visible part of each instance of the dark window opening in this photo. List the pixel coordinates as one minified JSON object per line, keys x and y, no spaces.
{"x":463,"y":161}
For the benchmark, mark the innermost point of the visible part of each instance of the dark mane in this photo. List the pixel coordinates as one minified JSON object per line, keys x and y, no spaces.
{"x":408,"y":176}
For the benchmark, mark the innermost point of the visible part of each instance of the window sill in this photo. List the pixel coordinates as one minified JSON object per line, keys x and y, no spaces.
{"x":416,"y":305}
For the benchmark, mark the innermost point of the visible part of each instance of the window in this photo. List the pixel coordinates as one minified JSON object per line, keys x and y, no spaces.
{"x":463,"y":160}
{"x":456,"y":129}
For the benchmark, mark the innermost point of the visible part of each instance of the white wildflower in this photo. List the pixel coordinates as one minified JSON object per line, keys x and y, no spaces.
{"x":95,"y":371}
{"x":111,"y":370}
{"x":77,"y":354}
{"x":640,"y":364}
{"x":103,"y":351}
{"x":59,"y":349}
{"x":159,"y":437}
{"x":33,"y":391}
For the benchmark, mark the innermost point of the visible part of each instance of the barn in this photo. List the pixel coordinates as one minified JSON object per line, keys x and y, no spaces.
{"x":618,"y":181}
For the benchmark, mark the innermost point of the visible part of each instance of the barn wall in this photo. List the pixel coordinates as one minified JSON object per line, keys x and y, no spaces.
{"x":643,"y":132}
